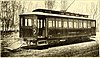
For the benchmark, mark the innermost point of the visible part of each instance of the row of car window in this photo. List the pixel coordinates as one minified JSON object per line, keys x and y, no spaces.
{"x":70,"y":23}
{"x":59,"y":23}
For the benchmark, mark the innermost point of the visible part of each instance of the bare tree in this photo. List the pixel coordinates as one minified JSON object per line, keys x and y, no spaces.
{"x":49,"y":4}
{"x":8,"y":14}
{"x":63,"y":4}
{"x":96,"y":15}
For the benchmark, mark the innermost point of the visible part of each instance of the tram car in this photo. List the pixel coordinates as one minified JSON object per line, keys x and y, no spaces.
{"x":48,"y":27}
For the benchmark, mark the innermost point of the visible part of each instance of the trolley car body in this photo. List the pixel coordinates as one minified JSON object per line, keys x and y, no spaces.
{"x":49,"y":27}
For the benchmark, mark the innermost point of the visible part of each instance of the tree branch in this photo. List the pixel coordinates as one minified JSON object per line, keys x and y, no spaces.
{"x":95,"y":11}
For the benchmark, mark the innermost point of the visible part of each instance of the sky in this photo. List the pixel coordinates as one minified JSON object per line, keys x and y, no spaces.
{"x":79,"y":6}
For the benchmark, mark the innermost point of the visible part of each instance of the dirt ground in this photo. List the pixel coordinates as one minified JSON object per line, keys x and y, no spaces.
{"x":84,"y":49}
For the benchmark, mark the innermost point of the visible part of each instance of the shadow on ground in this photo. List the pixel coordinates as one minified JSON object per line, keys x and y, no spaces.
{"x":6,"y":54}
{"x":50,"y":46}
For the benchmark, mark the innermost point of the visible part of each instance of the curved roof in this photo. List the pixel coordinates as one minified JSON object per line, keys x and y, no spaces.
{"x":54,"y":15}
{"x":57,"y":12}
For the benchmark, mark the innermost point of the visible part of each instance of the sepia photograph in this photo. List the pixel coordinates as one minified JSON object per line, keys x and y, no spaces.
{"x":49,"y":28}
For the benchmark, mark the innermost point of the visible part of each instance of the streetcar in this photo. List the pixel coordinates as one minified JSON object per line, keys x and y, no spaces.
{"x":47,"y":27}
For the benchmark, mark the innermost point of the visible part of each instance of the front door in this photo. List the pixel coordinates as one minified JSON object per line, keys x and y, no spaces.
{"x":41,"y":27}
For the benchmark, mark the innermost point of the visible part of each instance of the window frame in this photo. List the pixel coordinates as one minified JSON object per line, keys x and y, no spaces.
{"x":25,"y":21}
{"x":77,"y":23}
{"x":93,"y":23}
{"x":52,"y":22}
{"x":80,"y":23}
{"x":49,"y":23}
{"x":70,"y":21}
{"x":29,"y":22}
{"x":65,"y":22}
{"x":22,"y":21}
{"x":84,"y":21}
{"x":89,"y":24}
{"x":57,"y":23}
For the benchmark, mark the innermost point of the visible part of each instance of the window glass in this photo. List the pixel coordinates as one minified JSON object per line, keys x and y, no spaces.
{"x":53,"y":23}
{"x":44,"y":23}
{"x":56,"y":23}
{"x":65,"y":24}
{"x":93,"y":24}
{"x":70,"y":23}
{"x":21,"y":21}
{"x":85,"y":24}
{"x":25,"y":22}
{"x":89,"y":26}
{"x":38,"y":23}
{"x":41,"y":23}
{"x":49,"y":23}
{"x":29,"y":22}
{"x":59,"y":23}
{"x":75,"y":23}
{"x":35,"y":22}
{"x":80,"y":23}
